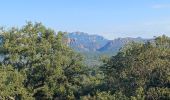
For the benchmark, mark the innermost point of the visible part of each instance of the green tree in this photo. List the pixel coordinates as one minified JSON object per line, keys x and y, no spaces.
{"x":11,"y":84}
{"x":52,"y":69}
{"x":144,"y":66}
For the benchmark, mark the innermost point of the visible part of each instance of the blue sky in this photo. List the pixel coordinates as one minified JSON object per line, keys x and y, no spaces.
{"x":109,"y":18}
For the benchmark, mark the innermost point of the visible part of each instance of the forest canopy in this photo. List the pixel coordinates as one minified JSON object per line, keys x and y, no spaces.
{"x":36,"y":63}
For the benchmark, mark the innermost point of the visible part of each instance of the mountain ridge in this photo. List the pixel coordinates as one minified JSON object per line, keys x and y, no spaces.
{"x":84,"y":42}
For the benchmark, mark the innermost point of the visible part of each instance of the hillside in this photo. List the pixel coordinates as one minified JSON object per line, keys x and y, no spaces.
{"x":83,"y":42}
{"x":80,"y":41}
{"x":116,"y":44}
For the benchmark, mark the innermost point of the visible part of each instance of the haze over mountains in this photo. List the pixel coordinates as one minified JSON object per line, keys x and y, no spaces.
{"x":83,"y":42}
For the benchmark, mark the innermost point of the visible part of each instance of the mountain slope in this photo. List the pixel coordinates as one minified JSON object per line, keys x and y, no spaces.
{"x":116,"y":44}
{"x":93,"y":46}
{"x":84,"y":42}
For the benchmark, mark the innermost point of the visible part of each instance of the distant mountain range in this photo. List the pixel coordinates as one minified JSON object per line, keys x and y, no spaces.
{"x":116,"y":44}
{"x":84,"y":42}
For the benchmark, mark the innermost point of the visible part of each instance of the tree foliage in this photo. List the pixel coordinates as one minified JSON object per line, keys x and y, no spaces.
{"x":144,"y":68}
{"x":52,"y":69}
{"x":37,"y":64}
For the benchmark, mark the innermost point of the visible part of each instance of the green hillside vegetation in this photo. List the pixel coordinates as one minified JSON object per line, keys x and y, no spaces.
{"x":38,"y":65}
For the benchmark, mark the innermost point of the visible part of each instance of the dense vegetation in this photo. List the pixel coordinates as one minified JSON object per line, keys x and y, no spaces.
{"x":37,"y":64}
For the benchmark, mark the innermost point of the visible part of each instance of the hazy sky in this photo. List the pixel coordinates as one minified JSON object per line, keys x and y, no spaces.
{"x":109,"y":18}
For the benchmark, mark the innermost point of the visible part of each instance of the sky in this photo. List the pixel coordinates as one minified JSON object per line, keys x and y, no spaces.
{"x":109,"y":18}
